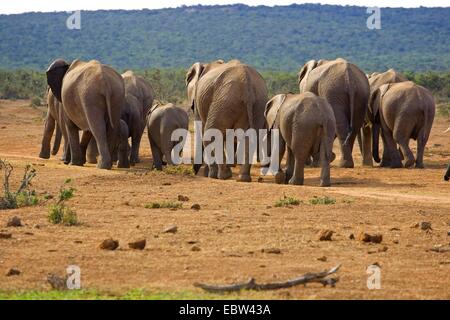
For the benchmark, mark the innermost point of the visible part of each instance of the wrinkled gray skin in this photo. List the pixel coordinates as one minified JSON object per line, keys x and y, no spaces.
{"x":53,"y":121}
{"x":447,"y":174}
{"x":376,"y":80}
{"x":162,"y":121}
{"x":93,"y":96}
{"x":307,"y":127}
{"x":139,"y":97}
{"x":346,"y":89}
{"x":403,"y":111}
{"x":227,"y":96}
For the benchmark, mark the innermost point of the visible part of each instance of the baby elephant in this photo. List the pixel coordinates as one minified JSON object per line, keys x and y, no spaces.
{"x":403,"y":111}
{"x":162,"y":121}
{"x":307,"y":127}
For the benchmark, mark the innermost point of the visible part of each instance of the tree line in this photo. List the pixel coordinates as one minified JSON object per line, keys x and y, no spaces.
{"x":169,"y":84}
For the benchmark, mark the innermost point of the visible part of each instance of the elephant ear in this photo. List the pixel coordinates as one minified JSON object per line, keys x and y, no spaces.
{"x":307,"y":68}
{"x":273,"y":109}
{"x":375,"y":101}
{"x":194,"y":72}
{"x":55,"y":75}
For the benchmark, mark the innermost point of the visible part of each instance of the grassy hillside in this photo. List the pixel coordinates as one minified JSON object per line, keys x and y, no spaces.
{"x":279,"y":38}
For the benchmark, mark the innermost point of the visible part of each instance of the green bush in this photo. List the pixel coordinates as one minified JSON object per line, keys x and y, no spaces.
{"x":287,"y":201}
{"x":322,"y":200}
{"x":164,"y":205}
{"x":60,"y":214}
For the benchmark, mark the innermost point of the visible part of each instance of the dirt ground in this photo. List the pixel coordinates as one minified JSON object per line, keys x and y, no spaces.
{"x":235,"y":225}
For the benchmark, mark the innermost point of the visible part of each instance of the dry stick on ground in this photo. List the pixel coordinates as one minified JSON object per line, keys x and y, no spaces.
{"x":252,"y":285}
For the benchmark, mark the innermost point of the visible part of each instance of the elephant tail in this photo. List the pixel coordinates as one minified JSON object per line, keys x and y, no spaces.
{"x":109,"y":106}
{"x":352,"y":132}
{"x":324,"y":143}
{"x":57,"y":143}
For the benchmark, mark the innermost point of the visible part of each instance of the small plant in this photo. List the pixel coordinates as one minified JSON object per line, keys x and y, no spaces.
{"x":164,"y":205}
{"x":23,"y":196}
{"x":59,"y":213}
{"x":179,"y":170}
{"x":287,"y":201}
{"x":322,"y":200}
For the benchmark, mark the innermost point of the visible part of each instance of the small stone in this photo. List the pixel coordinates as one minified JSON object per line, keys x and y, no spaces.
{"x":269,"y":207}
{"x":352,"y":237}
{"x":13,"y":272}
{"x":323,"y":259}
{"x":448,"y":233}
{"x":394,"y":229}
{"x":325,"y":235}
{"x":396,"y":242}
{"x":271,"y":251}
{"x":425,"y":226}
{"x":166,"y":184}
{"x":138,"y":245}
{"x":4,"y":235}
{"x":183,"y":198}
{"x":196,"y":207}
{"x":195,"y":249}
{"x":37,"y":226}
{"x":78,"y":241}
{"x":171,"y":229}
{"x":14,"y":222}
{"x":260,"y":179}
{"x":109,"y":244}
{"x":365,"y":237}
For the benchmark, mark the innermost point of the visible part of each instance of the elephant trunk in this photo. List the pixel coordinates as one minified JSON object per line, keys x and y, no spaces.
{"x":447,"y":174}
{"x":376,"y":142}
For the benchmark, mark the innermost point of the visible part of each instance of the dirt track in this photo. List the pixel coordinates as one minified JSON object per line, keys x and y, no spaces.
{"x":236,"y":222}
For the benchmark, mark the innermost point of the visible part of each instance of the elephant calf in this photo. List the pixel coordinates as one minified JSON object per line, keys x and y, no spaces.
{"x":307,"y":127}
{"x":162,"y":121}
{"x":403,"y":111}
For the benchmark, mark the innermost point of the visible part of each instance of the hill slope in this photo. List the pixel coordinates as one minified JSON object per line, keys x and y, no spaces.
{"x":279,"y":38}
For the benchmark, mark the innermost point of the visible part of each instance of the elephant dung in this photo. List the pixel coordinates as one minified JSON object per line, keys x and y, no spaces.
{"x":183,"y":198}
{"x":138,"y":245}
{"x":365,"y":237}
{"x":425,"y":226}
{"x":14,"y":222}
{"x":109,"y":244}
{"x":325,"y":235}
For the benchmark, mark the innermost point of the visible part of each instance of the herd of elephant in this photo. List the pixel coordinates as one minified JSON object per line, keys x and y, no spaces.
{"x":336,"y":99}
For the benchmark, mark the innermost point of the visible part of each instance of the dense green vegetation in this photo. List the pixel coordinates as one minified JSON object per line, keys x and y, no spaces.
{"x":169,"y":84}
{"x":280,"y":38}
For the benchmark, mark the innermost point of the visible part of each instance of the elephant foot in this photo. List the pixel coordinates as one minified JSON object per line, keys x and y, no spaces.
{"x":44,"y":155}
{"x":54,"y":152}
{"x":123,"y":165}
{"x":77,"y":163}
{"x":225,"y":174}
{"x":368,"y":163}
{"x":244,"y":178}
{"x":409,"y":163}
{"x":325,"y":183}
{"x":213,"y":172}
{"x":296,"y":181}
{"x":347,"y":164}
{"x":446,"y":178}
{"x":396,"y":165}
{"x":280,"y":177}
{"x":420,"y":166}
{"x":104,"y":165}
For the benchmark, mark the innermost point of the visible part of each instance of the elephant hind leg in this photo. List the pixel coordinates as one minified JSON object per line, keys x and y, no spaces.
{"x":422,"y":140}
{"x":157,"y":154}
{"x":342,"y":130}
{"x":406,"y":151}
{"x":76,"y":154}
{"x":49,"y":127}
{"x":57,"y":142}
{"x":245,"y":174}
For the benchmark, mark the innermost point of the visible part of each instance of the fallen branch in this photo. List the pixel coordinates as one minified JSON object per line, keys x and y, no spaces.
{"x":252,"y":285}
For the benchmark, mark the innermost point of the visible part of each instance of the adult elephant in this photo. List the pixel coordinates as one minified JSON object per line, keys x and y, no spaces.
{"x":376,"y":80}
{"x":92,"y":95}
{"x":403,"y":111}
{"x":227,"y":96}
{"x":346,"y":89}
{"x":54,"y":123}
{"x":139,"y":97}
